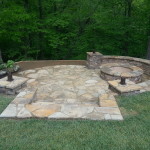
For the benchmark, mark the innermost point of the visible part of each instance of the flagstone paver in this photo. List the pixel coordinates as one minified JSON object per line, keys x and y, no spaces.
{"x":58,"y":115}
{"x":10,"y":111}
{"x":66,"y":91}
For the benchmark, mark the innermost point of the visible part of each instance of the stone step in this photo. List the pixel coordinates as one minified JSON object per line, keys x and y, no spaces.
{"x":107,"y":100}
{"x":127,"y":89}
{"x":25,"y":97}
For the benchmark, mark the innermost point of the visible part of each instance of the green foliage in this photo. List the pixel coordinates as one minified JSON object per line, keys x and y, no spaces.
{"x":64,"y":29}
{"x":9,"y":65}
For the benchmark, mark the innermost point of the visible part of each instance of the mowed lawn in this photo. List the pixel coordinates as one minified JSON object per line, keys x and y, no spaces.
{"x":40,"y":134}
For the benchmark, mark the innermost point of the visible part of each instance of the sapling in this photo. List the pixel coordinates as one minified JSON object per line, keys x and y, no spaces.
{"x":9,"y":68}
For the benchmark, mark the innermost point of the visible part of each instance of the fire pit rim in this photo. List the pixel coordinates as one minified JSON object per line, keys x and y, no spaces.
{"x":136,"y":71}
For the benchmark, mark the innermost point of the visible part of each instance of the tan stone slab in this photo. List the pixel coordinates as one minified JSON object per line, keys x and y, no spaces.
{"x":42,"y":109}
{"x":108,"y":110}
{"x":24,"y":97}
{"x":129,"y":88}
{"x":108,"y":103}
{"x":106,"y":96}
{"x":43,"y":112}
{"x":114,"y":83}
{"x":103,"y":96}
{"x":29,"y":95}
{"x":33,"y":84}
{"x":124,"y":88}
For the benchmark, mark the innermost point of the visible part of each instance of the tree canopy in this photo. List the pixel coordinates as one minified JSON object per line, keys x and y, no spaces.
{"x":67,"y":29}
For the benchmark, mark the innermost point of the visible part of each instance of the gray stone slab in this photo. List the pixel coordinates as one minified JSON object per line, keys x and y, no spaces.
{"x":76,"y":111}
{"x":116,"y":117}
{"x":108,"y":110}
{"x":107,"y":116}
{"x":10,"y":111}
{"x":94,"y":116}
{"x":58,"y":115}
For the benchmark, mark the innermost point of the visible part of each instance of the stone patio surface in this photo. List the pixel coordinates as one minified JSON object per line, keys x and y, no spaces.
{"x":65,"y":91}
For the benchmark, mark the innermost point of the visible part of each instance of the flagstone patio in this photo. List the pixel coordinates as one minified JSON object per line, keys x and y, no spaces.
{"x":64,"y":91}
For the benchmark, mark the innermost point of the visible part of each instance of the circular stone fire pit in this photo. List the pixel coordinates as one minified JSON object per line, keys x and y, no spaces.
{"x":113,"y":71}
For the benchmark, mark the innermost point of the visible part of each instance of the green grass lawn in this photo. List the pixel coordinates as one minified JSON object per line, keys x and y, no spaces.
{"x":36,"y":134}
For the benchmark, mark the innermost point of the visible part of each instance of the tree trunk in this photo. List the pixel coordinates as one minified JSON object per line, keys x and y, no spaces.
{"x":148,"y":50}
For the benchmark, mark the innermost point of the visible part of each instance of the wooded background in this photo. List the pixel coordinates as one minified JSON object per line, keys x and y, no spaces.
{"x":67,"y":29}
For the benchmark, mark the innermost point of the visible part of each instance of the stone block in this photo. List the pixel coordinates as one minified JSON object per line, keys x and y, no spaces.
{"x":127,"y":89}
{"x":94,"y":60}
{"x":24,"y":97}
{"x":11,"y":88}
{"x":10,"y":111}
{"x":108,"y":110}
{"x":108,"y":103}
